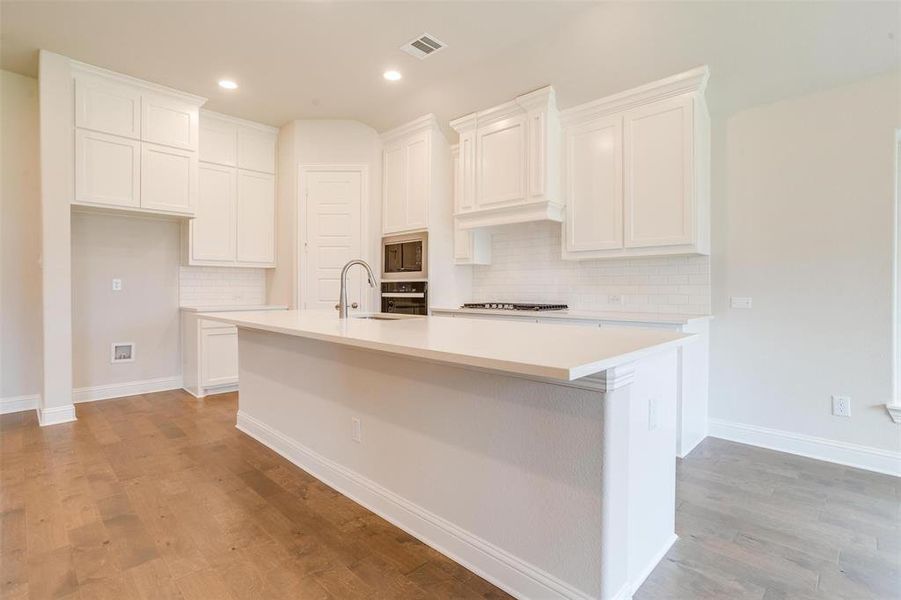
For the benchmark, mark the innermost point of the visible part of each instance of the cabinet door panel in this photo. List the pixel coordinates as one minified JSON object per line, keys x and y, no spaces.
{"x":107,"y":106}
{"x":219,"y":353}
{"x":594,"y":186}
{"x":462,"y":245}
{"x":418,"y":176}
{"x":256,"y":150}
{"x":168,"y":179}
{"x":107,"y":169}
{"x":169,"y":121}
{"x":467,"y":178}
{"x":659,"y":194}
{"x":395,"y":189}
{"x":213,"y":228}
{"x":256,"y":218}
{"x":501,"y":159}
{"x":218,"y":141}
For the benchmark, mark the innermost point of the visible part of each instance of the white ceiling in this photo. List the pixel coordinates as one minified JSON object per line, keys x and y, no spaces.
{"x":325,"y":59}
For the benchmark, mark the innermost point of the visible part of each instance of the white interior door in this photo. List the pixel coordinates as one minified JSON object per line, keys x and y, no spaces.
{"x":334,"y":234}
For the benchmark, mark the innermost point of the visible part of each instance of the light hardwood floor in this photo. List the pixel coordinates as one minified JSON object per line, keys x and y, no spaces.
{"x":159,"y":496}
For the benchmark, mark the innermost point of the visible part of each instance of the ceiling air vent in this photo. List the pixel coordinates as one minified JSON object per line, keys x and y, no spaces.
{"x":425,"y":45}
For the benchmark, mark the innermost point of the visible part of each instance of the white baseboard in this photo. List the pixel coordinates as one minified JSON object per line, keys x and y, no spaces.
{"x":843,"y":453}
{"x":56,"y":415}
{"x":13,"y":404}
{"x":212,"y":391}
{"x":652,"y":564}
{"x":687,"y":446}
{"x":129,"y":388}
{"x":501,"y":568}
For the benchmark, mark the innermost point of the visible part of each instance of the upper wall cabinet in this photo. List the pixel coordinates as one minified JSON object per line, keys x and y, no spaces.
{"x":414,"y":189}
{"x":636,"y":174}
{"x":509,"y":162}
{"x":235,"y":222}
{"x":135,"y":144}
{"x":104,"y":105}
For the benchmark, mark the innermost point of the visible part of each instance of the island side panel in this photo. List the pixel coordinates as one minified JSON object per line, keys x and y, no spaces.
{"x":511,"y":462}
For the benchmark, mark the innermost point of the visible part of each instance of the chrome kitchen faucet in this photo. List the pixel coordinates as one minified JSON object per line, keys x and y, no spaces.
{"x":342,"y":299}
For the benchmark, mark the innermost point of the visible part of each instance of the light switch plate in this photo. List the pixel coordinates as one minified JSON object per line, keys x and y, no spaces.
{"x":117,"y":285}
{"x":356,"y":432}
{"x":740,"y":302}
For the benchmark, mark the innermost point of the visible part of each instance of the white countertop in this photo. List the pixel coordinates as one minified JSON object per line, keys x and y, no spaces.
{"x":228,"y":308}
{"x":525,"y":348}
{"x":624,"y":317}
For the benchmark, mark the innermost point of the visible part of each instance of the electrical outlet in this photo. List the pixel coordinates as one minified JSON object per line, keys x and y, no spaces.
{"x":653,"y":414}
{"x":356,"y":432}
{"x":841,"y":406}
{"x":615,"y":299}
{"x":117,"y":285}
{"x":740,"y":302}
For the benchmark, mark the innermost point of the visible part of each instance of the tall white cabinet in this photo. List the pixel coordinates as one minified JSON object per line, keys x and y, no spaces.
{"x":636,"y":172}
{"x":235,"y":221}
{"x":136,"y":144}
{"x":413,"y":178}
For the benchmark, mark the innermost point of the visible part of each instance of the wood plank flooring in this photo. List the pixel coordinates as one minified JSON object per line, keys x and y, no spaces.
{"x":159,"y":496}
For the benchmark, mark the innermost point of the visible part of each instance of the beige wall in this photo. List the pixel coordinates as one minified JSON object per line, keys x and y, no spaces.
{"x":143,"y":253}
{"x":20,"y":238}
{"x":803,"y":223}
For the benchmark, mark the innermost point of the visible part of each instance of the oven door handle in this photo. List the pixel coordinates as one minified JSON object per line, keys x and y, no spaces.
{"x":403,"y":295}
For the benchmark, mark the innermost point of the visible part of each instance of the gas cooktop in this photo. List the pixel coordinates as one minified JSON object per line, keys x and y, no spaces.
{"x":514,"y":306}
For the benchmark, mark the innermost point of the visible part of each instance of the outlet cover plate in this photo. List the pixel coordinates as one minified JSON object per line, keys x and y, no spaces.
{"x":841,"y":406}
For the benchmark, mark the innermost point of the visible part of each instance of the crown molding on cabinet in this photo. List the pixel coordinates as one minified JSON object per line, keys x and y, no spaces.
{"x":508,"y":215}
{"x":78,"y":66}
{"x":239,"y":121}
{"x":694,"y":80}
{"x":427,"y":122}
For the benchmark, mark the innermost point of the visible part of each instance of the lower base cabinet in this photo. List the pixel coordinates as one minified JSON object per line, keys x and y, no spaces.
{"x":209,"y":356}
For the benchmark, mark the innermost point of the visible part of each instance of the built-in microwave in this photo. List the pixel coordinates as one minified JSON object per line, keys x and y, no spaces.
{"x":405,"y":256}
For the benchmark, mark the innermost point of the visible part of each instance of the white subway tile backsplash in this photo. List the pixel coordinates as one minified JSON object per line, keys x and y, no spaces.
{"x":527,"y":267}
{"x":211,"y":286}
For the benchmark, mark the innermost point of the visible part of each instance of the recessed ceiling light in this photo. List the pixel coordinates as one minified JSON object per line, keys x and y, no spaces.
{"x":228,"y":84}
{"x":392,"y":75}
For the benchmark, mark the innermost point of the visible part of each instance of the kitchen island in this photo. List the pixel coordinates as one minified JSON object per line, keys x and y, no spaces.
{"x":541,"y":457}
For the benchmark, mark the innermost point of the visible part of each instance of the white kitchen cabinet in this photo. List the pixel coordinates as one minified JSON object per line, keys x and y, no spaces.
{"x":235,"y":220}
{"x":209,"y":350}
{"x":637,"y":172}
{"x":509,"y":158}
{"x":104,"y":105}
{"x":255,"y":217}
{"x":135,"y":144}
{"x":168,"y":179}
{"x":220,"y":355}
{"x":107,"y":170}
{"x":218,"y":140}
{"x":169,"y":121}
{"x":594,"y":185}
{"x":659,"y":195}
{"x":409,"y":190}
{"x":256,"y":149}
{"x":471,"y":247}
{"x":501,"y":162}
{"x":213,"y":230}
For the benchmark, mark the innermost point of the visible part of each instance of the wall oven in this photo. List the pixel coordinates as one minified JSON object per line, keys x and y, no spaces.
{"x":405,"y":297}
{"x":405,"y":256}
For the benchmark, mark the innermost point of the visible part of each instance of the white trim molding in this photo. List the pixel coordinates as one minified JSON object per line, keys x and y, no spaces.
{"x":894,"y":411}
{"x":56,"y":415}
{"x":14,"y":404}
{"x":128,"y":388}
{"x":508,"y":572}
{"x":843,"y":453}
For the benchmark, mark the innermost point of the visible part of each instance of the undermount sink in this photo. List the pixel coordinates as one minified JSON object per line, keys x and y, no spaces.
{"x":386,"y":317}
